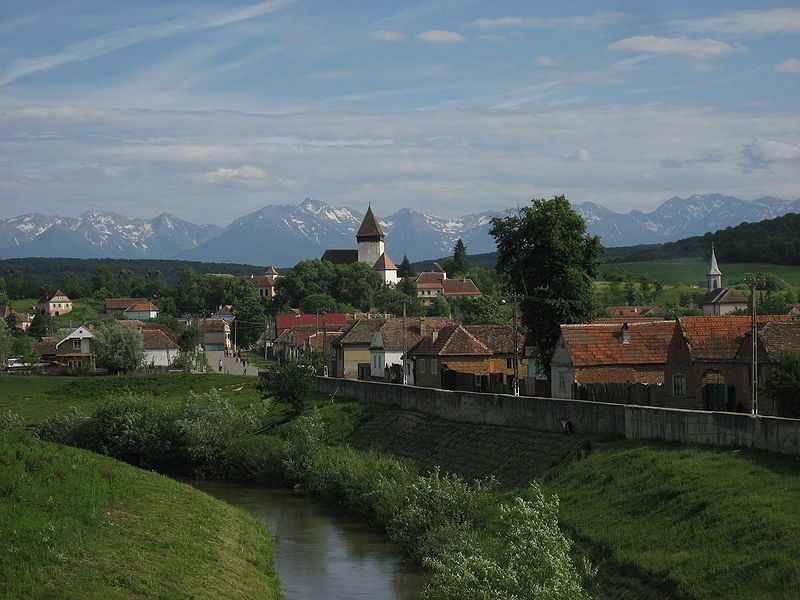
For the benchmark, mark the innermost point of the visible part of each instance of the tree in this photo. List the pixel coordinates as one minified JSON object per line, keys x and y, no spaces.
{"x":289,"y":384}
{"x":118,"y":347}
{"x":72,"y":286}
{"x":16,"y":287}
{"x":11,"y":323}
{"x":551,"y":261}
{"x":460,"y":263}
{"x":784,"y":385}
{"x":103,"y":279}
{"x":439,"y":308}
{"x":482,"y":310}
{"x":391,"y":301}
{"x":42,"y":326}
{"x":405,"y":269}
{"x":356,"y":284}
{"x":22,"y":348}
{"x":249,"y":310}
{"x":322,"y":303}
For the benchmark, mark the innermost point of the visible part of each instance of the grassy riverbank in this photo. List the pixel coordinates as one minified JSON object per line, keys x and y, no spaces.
{"x":78,"y":525}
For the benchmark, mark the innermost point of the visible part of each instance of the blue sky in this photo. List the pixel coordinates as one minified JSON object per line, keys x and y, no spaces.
{"x":211,"y":110}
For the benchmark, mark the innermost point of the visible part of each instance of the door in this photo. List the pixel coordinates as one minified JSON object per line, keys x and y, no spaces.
{"x":715,"y":396}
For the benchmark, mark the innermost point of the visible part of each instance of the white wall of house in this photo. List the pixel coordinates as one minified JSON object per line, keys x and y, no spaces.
{"x":160,"y":357}
{"x":142,"y":315}
{"x":389,"y":277}
{"x":380,"y":358}
{"x":78,"y":340}
{"x":562,"y":373}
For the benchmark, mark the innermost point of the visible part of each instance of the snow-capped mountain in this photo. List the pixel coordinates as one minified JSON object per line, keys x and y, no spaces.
{"x":284,"y":234}
{"x":100,"y":235}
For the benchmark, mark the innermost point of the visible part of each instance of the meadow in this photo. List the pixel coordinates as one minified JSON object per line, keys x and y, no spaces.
{"x":692,"y":271}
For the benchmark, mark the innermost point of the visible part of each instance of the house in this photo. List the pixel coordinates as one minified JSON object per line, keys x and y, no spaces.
{"x":351,"y":358}
{"x":265,"y":284}
{"x":633,"y":312}
{"x":141,"y":311}
{"x":719,"y":300}
{"x":213,"y":334}
{"x":774,"y":338}
{"x":293,"y":344}
{"x":323,"y":321}
{"x":470,"y":358}
{"x":701,"y":371}
{"x":388,"y":344}
{"x":120,"y":305}
{"x":434,"y":283}
{"x":74,"y":351}
{"x":792,"y":309}
{"x":160,"y":348}
{"x":224,"y":312}
{"x":371,"y":250}
{"x":22,"y":320}
{"x":605,"y":353}
{"x":55,"y":303}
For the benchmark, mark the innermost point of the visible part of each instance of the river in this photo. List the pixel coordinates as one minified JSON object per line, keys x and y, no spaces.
{"x":321,"y":555}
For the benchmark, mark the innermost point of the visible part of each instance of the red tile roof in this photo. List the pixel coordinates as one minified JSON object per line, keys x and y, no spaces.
{"x":591,"y":344}
{"x":142,"y":307}
{"x":392,"y":331}
{"x":460,"y":287}
{"x":155,"y":339}
{"x":430,"y":280}
{"x":360,"y":332}
{"x":384,"y":263}
{"x":452,"y":340}
{"x":780,"y":336}
{"x":630,"y":311}
{"x":719,"y":337}
{"x":498,"y":337}
{"x":51,"y":294}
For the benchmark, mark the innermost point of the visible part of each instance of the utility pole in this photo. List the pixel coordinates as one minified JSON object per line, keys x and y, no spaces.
{"x":515,"y":380}
{"x":405,"y":346}
{"x":753,"y":280}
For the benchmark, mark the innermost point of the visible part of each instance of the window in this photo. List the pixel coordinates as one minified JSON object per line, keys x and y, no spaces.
{"x":421,"y":365}
{"x":509,"y":363}
{"x":562,"y":384}
{"x":76,"y":344}
{"x":75,"y":364}
{"x":679,"y":384}
{"x":434,"y":366}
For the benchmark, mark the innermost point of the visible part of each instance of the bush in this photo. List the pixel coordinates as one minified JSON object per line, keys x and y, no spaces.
{"x":289,"y":384}
{"x":62,"y":429}
{"x":304,"y":440}
{"x":439,"y":504}
{"x":533,"y":562}
{"x":257,"y":459}
{"x":10,"y":421}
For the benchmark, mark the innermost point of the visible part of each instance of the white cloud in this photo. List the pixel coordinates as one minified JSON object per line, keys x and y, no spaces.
{"x":245,"y":175}
{"x":123,"y":38}
{"x":790,"y":65}
{"x":703,"y":49}
{"x":747,"y":22}
{"x":578,"y":23}
{"x":439,"y":36}
{"x":385,"y":35}
{"x":545,"y":61}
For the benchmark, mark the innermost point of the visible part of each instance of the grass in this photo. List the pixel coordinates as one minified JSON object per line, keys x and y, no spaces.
{"x":76,"y":525}
{"x":697,"y":522}
{"x":36,"y":397}
{"x":691,"y":271}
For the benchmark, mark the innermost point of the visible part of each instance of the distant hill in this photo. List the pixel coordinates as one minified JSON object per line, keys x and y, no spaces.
{"x":285,"y":234}
{"x":50,"y":270}
{"x":775,"y":241}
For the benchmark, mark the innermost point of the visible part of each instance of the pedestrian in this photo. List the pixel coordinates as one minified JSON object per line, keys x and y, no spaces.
{"x":244,"y":371}
{"x":220,"y":365}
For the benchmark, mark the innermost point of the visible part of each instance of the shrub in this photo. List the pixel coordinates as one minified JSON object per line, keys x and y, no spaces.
{"x":304,"y":440}
{"x":62,"y":429}
{"x":10,"y":421}
{"x":436,"y":505}
{"x":289,"y":384}
{"x":257,"y":458}
{"x":533,"y":563}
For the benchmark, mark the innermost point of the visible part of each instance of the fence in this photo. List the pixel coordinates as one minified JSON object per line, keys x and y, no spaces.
{"x":631,"y":422}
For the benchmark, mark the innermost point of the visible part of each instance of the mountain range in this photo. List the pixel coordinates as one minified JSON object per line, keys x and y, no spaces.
{"x":284,"y":234}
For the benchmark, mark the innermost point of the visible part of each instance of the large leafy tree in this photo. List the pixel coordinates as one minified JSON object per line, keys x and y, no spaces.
{"x":72,"y":286}
{"x":103,"y":279}
{"x":784,"y":385}
{"x":6,"y":340}
{"x":118,"y":347}
{"x":550,"y":261}
{"x":356,"y":284}
{"x":249,"y":310}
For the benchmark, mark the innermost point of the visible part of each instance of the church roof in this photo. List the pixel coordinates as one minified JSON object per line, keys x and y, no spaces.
{"x":341,"y":257}
{"x":714,"y":270}
{"x":384,"y":263}
{"x":721,"y":296}
{"x":370,"y":226}
{"x":271,"y":270}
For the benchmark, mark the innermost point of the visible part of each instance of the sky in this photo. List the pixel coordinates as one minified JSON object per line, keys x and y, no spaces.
{"x":210,"y":110}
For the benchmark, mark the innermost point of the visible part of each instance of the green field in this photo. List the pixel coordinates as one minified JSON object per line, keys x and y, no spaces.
{"x":36,"y":397}
{"x":76,"y":525}
{"x":691,"y":271}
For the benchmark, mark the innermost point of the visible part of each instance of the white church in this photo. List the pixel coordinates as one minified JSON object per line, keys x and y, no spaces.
{"x":371,"y":250}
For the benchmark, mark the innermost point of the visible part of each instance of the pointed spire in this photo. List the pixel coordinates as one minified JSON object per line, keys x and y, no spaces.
{"x":370,"y":226}
{"x":714,"y":268}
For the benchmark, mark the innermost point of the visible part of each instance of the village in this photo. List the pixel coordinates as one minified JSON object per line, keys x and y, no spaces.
{"x":627,"y":355}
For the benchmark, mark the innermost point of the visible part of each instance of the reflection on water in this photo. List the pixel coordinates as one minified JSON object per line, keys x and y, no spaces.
{"x":323,"y":556}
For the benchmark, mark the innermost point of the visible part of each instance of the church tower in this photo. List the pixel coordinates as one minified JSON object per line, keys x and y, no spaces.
{"x":370,"y":239}
{"x":714,"y":275}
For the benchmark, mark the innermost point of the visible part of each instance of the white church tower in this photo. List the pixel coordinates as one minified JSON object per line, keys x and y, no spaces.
{"x":370,"y":239}
{"x":714,"y":275}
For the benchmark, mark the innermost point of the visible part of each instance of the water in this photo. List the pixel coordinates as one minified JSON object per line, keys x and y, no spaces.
{"x":321,"y":555}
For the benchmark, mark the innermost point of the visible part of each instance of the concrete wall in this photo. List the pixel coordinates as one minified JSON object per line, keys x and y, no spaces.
{"x":544,"y":414}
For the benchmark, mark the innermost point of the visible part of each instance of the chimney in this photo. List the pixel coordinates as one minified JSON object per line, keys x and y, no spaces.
{"x":625,"y":335}
{"x":434,"y":336}
{"x":422,"y":326}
